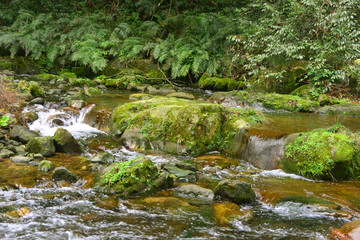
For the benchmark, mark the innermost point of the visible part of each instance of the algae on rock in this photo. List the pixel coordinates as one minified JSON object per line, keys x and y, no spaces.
{"x":181,"y":126}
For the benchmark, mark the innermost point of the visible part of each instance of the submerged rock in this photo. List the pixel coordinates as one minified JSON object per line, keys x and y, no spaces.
{"x":236,"y":191}
{"x":65,"y":142}
{"x":46,"y":166}
{"x":195,"y":194}
{"x":182,"y":175}
{"x":22,"y":134}
{"x":350,"y":231}
{"x":321,"y":154}
{"x":61,"y":173}
{"x":228,"y":211}
{"x":181,"y":126}
{"x":43,"y":145}
{"x":133,"y":177}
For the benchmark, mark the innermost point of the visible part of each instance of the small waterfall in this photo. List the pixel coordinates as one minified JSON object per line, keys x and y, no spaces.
{"x":52,"y":116}
{"x":263,"y":149}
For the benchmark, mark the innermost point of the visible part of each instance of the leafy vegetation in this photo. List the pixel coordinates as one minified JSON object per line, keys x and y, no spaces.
{"x":5,"y":121}
{"x":257,"y":41}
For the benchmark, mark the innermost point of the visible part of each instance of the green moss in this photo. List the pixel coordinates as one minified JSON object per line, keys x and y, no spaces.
{"x":289,"y":103}
{"x":67,"y":74}
{"x":46,"y":166}
{"x":131,"y":177}
{"x":36,"y":90}
{"x":321,"y":154}
{"x":47,"y":76}
{"x":179,"y":125}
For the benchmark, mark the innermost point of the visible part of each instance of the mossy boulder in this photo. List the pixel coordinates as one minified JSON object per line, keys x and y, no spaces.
{"x":36,"y":90}
{"x":62,"y":173}
{"x":65,"y":142}
{"x":45,"y":166}
{"x":133,"y":177}
{"x":22,"y":134}
{"x":140,"y":96}
{"x":270,"y":101}
{"x":43,"y":145}
{"x":218,"y":84}
{"x":347,"y":109}
{"x":235,"y":191}
{"x":181,"y":126}
{"x":92,"y":91}
{"x":321,"y":154}
{"x":47,"y":76}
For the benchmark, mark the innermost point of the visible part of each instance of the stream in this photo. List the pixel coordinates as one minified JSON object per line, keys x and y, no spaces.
{"x":64,"y":211}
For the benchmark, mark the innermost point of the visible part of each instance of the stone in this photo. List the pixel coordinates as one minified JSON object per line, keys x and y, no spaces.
{"x":236,"y":191}
{"x":139,"y":96}
{"x":226,"y":212}
{"x":77,"y":104}
{"x":20,"y":149}
{"x":30,"y":117}
{"x":324,"y":100}
{"x":43,"y":145}
{"x":37,"y":100}
{"x":61,"y":173}
{"x":195,"y":194}
{"x":103,"y":158}
{"x":5,"y":153}
{"x":166,"y":202}
{"x":322,"y":154}
{"x":21,"y":159}
{"x":182,"y":175}
{"x":350,"y":231}
{"x":65,"y":142}
{"x":38,"y":156}
{"x":36,"y":90}
{"x":183,"y":95}
{"x":164,"y":181}
{"x":347,"y":109}
{"x":22,"y":134}
{"x":180,"y":126}
{"x":133,"y":177}
{"x":18,"y":213}
{"x":45,"y":166}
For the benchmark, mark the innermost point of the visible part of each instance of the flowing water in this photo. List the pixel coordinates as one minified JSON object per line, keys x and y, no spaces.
{"x":63,"y":211}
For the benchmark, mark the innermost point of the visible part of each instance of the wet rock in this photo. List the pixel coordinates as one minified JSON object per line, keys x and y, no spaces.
{"x":219,"y":84}
{"x":18,"y":213}
{"x":38,"y":156}
{"x":195,"y":194}
{"x":14,"y":143}
{"x":45,"y":166}
{"x":77,"y":104}
{"x":35,"y":89}
{"x":181,"y":126}
{"x":133,"y":177}
{"x":322,"y":154}
{"x":30,"y":117}
{"x":166,"y":89}
{"x":20,"y":149}
{"x":21,"y":159}
{"x":228,"y":211}
{"x":236,"y":191}
{"x":165,"y":181}
{"x":91,"y":91}
{"x":97,"y":167}
{"x":182,"y":175}
{"x":65,"y":142}
{"x":37,"y":100}
{"x":61,"y":173}
{"x":350,"y":109}
{"x":183,"y":95}
{"x":3,"y":134}
{"x":350,"y":231}
{"x":53,"y":92}
{"x":5,"y":153}
{"x":103,"y":158}
{"x":22,"y":134}
{"x":43,"y":145}
{"x":166,"y":202}
{"x":140,"y":96}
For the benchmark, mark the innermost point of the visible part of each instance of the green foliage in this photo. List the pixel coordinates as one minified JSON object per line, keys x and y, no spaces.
{"x":5,"y":121}
{"x":322,"y":34}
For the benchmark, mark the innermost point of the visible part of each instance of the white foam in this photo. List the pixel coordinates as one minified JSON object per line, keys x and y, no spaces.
{"x":281,"y":174}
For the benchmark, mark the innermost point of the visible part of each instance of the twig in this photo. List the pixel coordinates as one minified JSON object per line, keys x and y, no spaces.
{"x":165,"y":76}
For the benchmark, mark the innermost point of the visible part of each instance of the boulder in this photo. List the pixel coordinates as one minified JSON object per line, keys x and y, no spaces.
{"x":36,"y":90}
{"x":30,"y":117}
{"x":45,"y":166}
{"x":236,"y":191}
{"x":103,"y":158}
{"x":181,"y":126}
{"x":320,"y":154}
{"x":61,"y":173}
{"x":65,"y":142}
{"x":43,"y":145}
{"x":228,"y":211}
{"x":139,"y":96}
{"x":195,"y":194}
{"x":5,"y":153}
{"x":37,"y":100}
{"x":182,"y":175}
{"x":77,"y":104}
{"x":348,"y":109}
{"x":183,"y":95}
{"x":350,"y":231}
{"x":21,"y":159}
{"x":22,"y":134}
{"x":133,"y":177}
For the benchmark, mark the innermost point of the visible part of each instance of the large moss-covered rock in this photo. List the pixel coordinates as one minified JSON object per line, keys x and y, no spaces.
{"x":133,"y":177}
{"x":65,"y":142}
{"x":36,"y":90}
{"x":45,"y":166}
{"x":219,"y":84}
{"x":43,"y":145}
{"x":270,"y":101}
{"x":62,"y":173}
{"x":181,"y":126}
{"x":348,"y":109}
{"x":321,"y":154}
{"x":22,"y":134}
